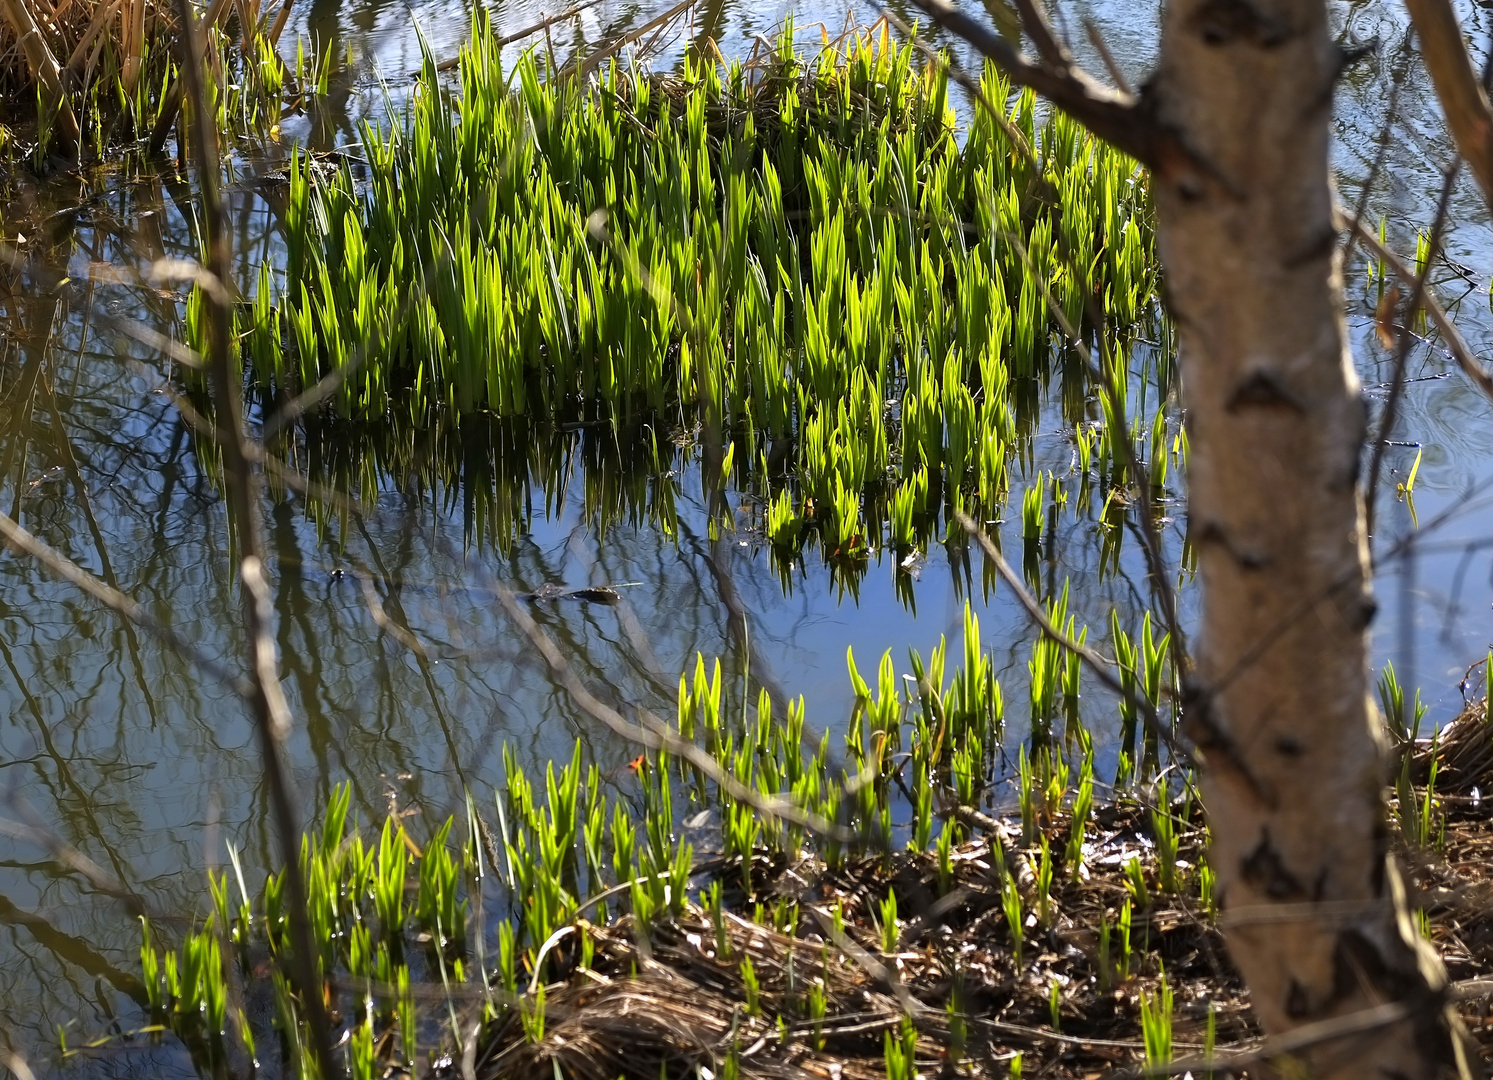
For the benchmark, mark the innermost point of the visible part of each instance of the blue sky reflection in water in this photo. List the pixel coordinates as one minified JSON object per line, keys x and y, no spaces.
{"x":134,"y":759}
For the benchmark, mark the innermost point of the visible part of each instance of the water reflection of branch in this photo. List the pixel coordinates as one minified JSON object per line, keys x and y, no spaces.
{"x":738,"y":622}
{"x":1419,"y":292}
{"x":31,"y":829}
{"x":1460,"y":351}
{"x":116,"y":601}
{"x":266,"y":699}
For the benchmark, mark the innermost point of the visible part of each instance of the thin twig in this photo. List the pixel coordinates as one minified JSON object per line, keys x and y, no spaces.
{"x":656,"y":735}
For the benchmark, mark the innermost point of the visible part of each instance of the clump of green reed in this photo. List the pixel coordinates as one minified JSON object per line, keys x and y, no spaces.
{"x":388,"y":914}
{"x":806,"y":257}
{"x":1156,"y":1025}
{"x":1147,"y":677}
{"x":365,"y":934}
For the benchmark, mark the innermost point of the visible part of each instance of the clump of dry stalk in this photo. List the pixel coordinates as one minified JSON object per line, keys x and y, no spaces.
{"x":57,"y":57}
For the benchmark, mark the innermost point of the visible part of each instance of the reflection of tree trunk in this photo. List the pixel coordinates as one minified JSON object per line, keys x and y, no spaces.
{"x":1316,"y":918}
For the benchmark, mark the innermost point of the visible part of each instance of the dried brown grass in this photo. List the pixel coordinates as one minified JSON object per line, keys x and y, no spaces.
{"x":77,"y":36}
{"x":59,"y":52}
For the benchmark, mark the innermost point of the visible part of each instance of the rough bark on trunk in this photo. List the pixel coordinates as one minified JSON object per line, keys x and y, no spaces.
{"x":1294,"y":774}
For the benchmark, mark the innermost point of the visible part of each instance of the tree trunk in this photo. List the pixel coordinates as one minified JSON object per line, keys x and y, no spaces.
{"x":1313,"y":911}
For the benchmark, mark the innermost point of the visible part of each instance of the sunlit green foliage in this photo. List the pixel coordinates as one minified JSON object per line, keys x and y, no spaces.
{"x":579,"y":847}
{"x":804,"y":254}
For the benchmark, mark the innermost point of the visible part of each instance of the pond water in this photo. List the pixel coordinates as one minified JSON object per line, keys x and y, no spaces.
{"x":121,"y":751}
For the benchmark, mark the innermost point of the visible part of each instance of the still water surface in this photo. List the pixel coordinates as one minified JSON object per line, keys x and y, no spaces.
{"x":117,"y":748}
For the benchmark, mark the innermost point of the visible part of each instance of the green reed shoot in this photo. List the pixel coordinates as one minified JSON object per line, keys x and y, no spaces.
{"x":945,"y":857}
{"x":1014,"y":911}
{"x":1032,"y":504}
{"x":955,"y":1007}
{"x":532,"y":1015}
{"x":1026,"y":796}
{"x":1403,"y":724}
{"x":922,"y":821}
{"x":1135,"y":882}
{"x":752,"y":986}
{"x":1156,"y":1025}
{"x":1124,"y":927}
{"x":1083,"y":801}
{"x":1165,"y":831}
{"x":901,"y":1052}
{"x":1106,"y":962}
{"x":891,"y":933}
{"x":1044,"y":884}
{"x":818,"y":1004}
{"x":1125,"y":663}
{"x":1207,"y":889}
{"x":1055,"y":1005}
{"x":714,"y":904}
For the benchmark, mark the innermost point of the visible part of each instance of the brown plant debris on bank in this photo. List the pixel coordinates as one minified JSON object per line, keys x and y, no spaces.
{"x":803,"y":978}
{"x":781,"y":990}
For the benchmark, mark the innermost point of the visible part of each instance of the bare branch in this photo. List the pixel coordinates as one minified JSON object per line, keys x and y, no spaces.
{"x":1096,"y":663}
{"x":1112,"y":115}
{"x":1463,"y":99}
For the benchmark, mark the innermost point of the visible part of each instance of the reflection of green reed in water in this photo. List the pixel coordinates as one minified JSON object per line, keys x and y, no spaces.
{"x":572,"y":847}
{"x":801,"y":262}
{"x":497,"y":471}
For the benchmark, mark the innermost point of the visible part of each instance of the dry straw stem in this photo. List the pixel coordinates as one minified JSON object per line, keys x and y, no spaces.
{"x":590,"y":63}
{"x":452,"y":63}
{"x":42,"y":64}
